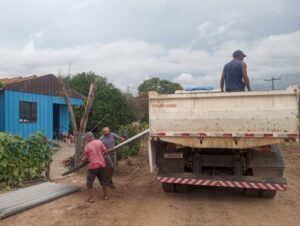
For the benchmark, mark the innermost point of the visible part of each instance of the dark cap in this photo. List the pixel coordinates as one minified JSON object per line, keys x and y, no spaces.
{"x":238,"y":53}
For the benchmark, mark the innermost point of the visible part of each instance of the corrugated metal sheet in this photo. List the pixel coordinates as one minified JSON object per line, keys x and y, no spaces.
{"x":47,"y":84}
{"x":16,"y":79}
{"x":26,"y":198}
{"x":44,"y":121}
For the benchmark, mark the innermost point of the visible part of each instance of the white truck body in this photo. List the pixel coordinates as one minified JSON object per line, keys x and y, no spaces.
{"x":250,"y":119}
{"x":199,"y":122}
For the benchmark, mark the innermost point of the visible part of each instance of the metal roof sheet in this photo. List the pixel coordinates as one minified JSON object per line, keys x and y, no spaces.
{"x":16,"y":79}
{"x":26,"y":198}
{"x":46,"y":84}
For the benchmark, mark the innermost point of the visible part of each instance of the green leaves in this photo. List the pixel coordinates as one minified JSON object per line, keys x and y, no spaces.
{"x":1,"y":85}
{"x":158,"y":85}
{"x":23,"y":159}
{"x":108,"y":100}
{"x":129,"y":131}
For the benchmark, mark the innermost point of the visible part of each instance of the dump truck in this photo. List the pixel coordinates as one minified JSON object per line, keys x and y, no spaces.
{"x":220,"y":139}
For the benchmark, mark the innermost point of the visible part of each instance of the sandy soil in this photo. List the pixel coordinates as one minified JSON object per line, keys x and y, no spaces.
{"x":139,"y":200}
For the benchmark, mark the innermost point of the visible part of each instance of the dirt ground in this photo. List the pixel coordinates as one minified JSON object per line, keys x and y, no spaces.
{"x":139,"y":200}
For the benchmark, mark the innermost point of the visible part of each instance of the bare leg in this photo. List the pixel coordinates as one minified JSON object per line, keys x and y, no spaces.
{"x":90,"y":195}
{"x":104,"y":193}
{"x":110,"y":173}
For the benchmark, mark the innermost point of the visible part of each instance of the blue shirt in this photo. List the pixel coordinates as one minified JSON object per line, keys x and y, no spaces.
{"x":233,"y":76}
{"x":109,"y":140}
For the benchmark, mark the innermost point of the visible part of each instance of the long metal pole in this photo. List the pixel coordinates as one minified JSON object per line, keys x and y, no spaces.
{"x":141,"y":134}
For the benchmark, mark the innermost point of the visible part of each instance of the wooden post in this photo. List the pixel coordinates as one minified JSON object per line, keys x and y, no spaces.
{"x":88,"y":106}
{"x":79,"y":144}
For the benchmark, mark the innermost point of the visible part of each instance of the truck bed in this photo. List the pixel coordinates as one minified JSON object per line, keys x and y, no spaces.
{"x":225,"y":120}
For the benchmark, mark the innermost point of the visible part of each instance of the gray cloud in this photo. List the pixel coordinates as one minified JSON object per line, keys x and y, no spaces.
{"x":128,"y":41}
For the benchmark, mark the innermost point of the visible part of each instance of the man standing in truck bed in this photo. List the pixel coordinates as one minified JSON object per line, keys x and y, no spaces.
{"x":235,"y":74}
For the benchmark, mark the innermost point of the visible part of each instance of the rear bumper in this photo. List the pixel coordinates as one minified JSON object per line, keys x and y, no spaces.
{"x":247,"y":182}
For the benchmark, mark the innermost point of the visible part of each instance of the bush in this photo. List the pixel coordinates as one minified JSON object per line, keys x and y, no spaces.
{"x":21,"y":159}
{"x":127,"y":132}
{"x":1,"y":85}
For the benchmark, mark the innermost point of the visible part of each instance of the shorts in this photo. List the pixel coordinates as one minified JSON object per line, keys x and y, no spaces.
{"x":100,"y":173}
{"x":111,"y":160}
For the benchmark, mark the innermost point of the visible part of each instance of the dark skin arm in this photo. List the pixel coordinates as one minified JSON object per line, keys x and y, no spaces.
{"x":222,"y":81}
{"x":245,"y":76}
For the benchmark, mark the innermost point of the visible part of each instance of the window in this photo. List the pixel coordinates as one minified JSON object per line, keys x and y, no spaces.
{"x":27,"y":111}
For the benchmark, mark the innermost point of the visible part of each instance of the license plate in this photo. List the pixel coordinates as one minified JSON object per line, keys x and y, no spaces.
{"x":173,"y":155}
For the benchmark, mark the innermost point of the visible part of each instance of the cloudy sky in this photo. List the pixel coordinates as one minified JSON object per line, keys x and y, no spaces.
{"x":128,"y":41}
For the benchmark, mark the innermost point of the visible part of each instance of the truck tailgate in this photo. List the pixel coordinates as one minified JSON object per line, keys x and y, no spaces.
{"x":247,"y":119}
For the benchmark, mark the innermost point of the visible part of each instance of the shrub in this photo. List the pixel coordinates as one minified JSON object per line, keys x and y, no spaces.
{"x":127,"y":132}
{"x":21,"y":159}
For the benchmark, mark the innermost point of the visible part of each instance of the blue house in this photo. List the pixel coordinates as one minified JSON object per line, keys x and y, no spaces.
{"x":30,"y":104}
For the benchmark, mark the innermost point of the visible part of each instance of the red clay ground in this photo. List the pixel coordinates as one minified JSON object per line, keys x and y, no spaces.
{"x":139,"y":200}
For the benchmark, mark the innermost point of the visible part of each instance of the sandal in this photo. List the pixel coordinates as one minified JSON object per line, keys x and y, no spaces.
{"x":105,"y":198}
{"x":90,"y":200}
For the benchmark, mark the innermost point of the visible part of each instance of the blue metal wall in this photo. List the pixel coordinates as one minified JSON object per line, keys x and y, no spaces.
{"x":2,"y":111}
{"x":63,"y":119}
{"x":44,"y":121}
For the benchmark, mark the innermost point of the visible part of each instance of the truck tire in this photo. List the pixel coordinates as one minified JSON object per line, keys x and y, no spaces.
{"x":267,"y":165}
{"x":268,"y":193}
{"x":252,"y":192}
{"x":181,"y":188}
{"x":168,"y":187}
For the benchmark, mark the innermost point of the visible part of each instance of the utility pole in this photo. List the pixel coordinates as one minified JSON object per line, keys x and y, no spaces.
{"x":69,"y":68}
{"x":127,"y":92}
{"x":272,"y":80}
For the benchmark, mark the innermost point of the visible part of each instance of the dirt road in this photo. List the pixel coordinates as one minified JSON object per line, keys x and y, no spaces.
{"x":139,"y":200}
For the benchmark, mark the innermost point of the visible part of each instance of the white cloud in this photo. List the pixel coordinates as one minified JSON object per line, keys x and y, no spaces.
{"x":128,"y":63}
{"x":276,"y":55}
{"x":208,"y":30}
{"x":203,"y":28}
{"x":189,"y":80}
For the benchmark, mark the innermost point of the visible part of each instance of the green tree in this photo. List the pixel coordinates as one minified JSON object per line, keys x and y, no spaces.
{"x":158,"y":85}
{"x":109,"y":102}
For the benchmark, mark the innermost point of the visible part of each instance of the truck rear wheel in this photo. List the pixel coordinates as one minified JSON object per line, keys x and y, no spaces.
{"x":252,"y":192}
{"x":168,"y":187}
{"x":268,"y":193}
{"x":181,"y":188}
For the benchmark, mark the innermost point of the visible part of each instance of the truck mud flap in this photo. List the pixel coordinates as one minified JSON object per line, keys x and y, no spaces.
{"x":247,"y":182}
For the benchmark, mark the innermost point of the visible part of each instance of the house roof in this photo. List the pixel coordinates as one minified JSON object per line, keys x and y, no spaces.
{"x":15,"y":79}
{"x":47,"y":84}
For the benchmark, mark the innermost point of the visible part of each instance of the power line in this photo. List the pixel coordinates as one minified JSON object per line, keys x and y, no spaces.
{"x":272,"y":80}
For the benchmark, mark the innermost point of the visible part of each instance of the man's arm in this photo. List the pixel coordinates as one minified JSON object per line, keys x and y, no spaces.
{"x":222,"y":81}
{"x":245,"y":76}
{"x":103,"y":148}
{"x":85,"y":155}
{"x":118,"y":137}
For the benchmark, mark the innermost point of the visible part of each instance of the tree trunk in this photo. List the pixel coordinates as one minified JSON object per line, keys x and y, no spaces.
{"x":88,"y":107}
{"x":79,"y":135}
{"x":67,"y":100}
{"x":79,"y":145}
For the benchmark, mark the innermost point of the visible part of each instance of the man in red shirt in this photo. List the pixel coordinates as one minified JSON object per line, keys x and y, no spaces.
{"x":94,"y":152}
